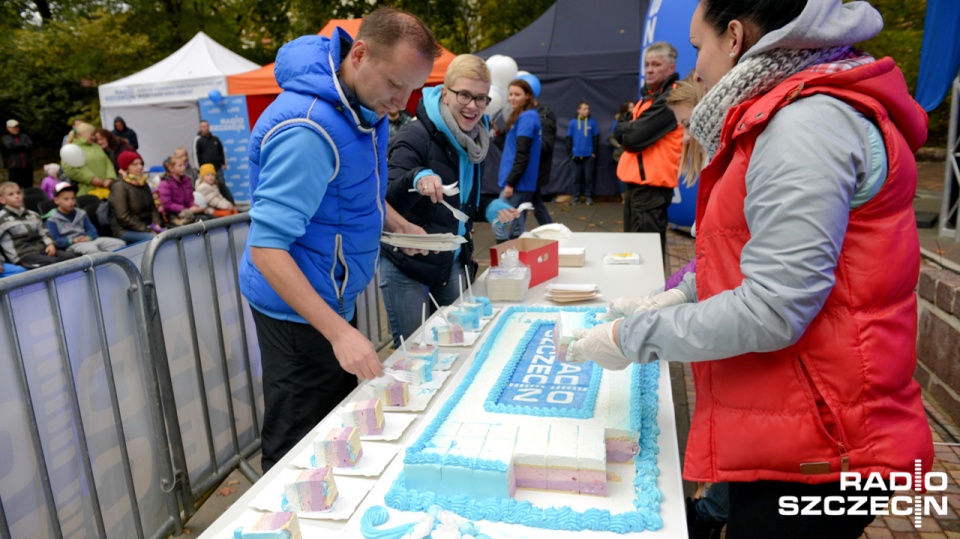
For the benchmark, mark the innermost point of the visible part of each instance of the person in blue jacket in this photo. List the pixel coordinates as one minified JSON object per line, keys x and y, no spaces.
{"x":520,"y":162}
{"x":318,"y":174}
{"x":583,"y":141}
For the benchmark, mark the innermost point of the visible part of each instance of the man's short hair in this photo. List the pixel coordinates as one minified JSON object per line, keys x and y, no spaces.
{"x":386,"y":27}
{"x":582,"y":103}
{"x":466,"y":66}
{"x":663,"y":49}
{"x":6,"y":186}
{"x":204,"y":122}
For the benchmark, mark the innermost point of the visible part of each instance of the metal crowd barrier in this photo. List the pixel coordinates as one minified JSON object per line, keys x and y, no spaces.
{"x":180,"y":376}
{"x":202,"y":384}
{"x":197,"y":478}
{"x":950,"y":205}
{"x":83,"y":447}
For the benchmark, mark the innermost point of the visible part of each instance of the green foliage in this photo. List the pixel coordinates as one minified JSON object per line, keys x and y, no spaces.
{"x":54,"y":69}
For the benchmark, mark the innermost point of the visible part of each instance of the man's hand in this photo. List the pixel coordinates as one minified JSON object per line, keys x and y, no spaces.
{"x":508,"y":191}
{"x":409,"y":228}
{"x":505,"y":216}
{"x":356,"y":354}
{"x":431,"y":186}
{"x":599,"y":344}
{"x":50,"y":250}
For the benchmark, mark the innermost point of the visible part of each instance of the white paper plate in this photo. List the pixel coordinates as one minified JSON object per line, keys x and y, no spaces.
{"x":352,"y":491}
{"x":419,"y":396}
{"x":393,"y":427}
{"x":444,"y":361}
{"x":373,"y":461}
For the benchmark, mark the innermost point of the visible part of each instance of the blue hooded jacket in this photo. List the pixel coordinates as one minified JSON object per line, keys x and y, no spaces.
{"x":337,"y":246}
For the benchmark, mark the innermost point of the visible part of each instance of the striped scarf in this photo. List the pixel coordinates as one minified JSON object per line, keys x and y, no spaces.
{"x":751,"y":77}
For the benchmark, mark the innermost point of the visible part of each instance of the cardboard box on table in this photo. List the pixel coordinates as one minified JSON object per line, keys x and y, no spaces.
{"x":541,"y":256}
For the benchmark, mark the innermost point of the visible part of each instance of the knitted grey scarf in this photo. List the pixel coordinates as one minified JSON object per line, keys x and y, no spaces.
{"x":476,"y":142}
{"x":752,"y":76}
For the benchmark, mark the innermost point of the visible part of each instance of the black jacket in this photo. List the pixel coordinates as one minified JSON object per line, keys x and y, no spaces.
{"x":127,"y":133}
{"x":653,"y":124}
{"x":18,"y":149}
{"x":208,"y":149}
{"x":417,"y":146}
{"x":548,"y":136}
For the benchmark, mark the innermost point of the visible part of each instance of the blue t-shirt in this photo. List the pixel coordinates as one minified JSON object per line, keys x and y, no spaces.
{"x":527,"y":125}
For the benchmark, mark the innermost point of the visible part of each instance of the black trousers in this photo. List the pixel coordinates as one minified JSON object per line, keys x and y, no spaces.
{"x":755,"y":512}
{"x":645,"y":210}
{"x":37,"y":260}
{"x":302,"y":383}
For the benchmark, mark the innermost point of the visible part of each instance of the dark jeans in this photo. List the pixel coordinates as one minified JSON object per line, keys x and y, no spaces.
{"x":36,"y":260}
{"x":403,"y":298}
{"x":755,"y":512}
{"x":515,"y":228}
{"x":715,"y":504}
{"x":645,"y":210}
{"x":584,"y":171}
{"x":302,"y":383}
{"x":22,"y":177}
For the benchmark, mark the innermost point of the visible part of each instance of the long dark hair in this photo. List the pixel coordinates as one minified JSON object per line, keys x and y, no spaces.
{"x":527,"y":105}
{"x":760,"y":17}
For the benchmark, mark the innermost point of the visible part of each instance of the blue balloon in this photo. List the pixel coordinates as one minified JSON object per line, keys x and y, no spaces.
{"x":215,"y":95}
{"x":533,"y":81}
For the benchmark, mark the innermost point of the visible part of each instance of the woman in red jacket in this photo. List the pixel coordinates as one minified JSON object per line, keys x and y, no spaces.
{"x":807,"y":197}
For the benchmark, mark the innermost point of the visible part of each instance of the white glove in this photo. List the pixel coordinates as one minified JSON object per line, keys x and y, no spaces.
{"x":621,"y":307}
{"x":598,"y":345}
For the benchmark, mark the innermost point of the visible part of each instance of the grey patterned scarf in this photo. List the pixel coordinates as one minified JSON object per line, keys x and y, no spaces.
{"x":476,"y":142}
{"x":752,"y":76}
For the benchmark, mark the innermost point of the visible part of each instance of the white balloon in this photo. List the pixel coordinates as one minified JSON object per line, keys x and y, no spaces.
{"x":72,"y":155}
{"x":496,"y":101}
{"x":502,"y":70}
{"x":199,"y":199}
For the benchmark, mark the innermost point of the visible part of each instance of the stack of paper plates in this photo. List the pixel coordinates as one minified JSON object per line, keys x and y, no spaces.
{"x":567,"y":293}
{"x":429,"y":242}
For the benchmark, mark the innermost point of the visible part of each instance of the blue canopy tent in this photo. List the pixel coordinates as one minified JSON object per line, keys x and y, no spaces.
{"x":939,"y":66}
{"x":581,"y":50}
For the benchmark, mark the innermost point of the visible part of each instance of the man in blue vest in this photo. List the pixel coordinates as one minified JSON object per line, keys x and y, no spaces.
{"x":318,"y":174}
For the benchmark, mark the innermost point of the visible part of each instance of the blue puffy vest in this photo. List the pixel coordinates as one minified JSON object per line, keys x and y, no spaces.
{"x":338,"y":253}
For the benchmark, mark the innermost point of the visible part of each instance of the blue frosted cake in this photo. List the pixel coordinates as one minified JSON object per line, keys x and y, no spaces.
{"x":489,"y":451}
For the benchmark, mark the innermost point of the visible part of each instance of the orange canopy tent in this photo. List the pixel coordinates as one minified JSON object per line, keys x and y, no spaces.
{"x":262,"y":82}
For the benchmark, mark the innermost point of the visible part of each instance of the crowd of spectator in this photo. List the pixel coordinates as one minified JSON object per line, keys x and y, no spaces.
{"x":102,"y":199}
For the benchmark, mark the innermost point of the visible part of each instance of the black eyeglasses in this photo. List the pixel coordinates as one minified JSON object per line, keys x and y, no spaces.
{"x":465,"y":98}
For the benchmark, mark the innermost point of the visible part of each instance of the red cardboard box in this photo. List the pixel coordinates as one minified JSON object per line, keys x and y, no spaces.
{"x":542,"y":256}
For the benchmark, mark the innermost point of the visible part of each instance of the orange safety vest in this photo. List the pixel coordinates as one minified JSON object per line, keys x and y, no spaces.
{"x":843,"y":397}
{"x":656,"y":165}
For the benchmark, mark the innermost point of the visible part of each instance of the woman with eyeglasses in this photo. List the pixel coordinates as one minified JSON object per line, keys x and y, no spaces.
{"x":447,"y":145}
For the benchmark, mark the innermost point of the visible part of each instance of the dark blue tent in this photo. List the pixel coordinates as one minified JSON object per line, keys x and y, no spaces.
{"x":581,"y":50}
{"x":940,"y":55}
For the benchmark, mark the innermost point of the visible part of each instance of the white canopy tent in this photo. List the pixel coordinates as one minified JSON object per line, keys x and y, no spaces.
{"x":160,"y":102}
